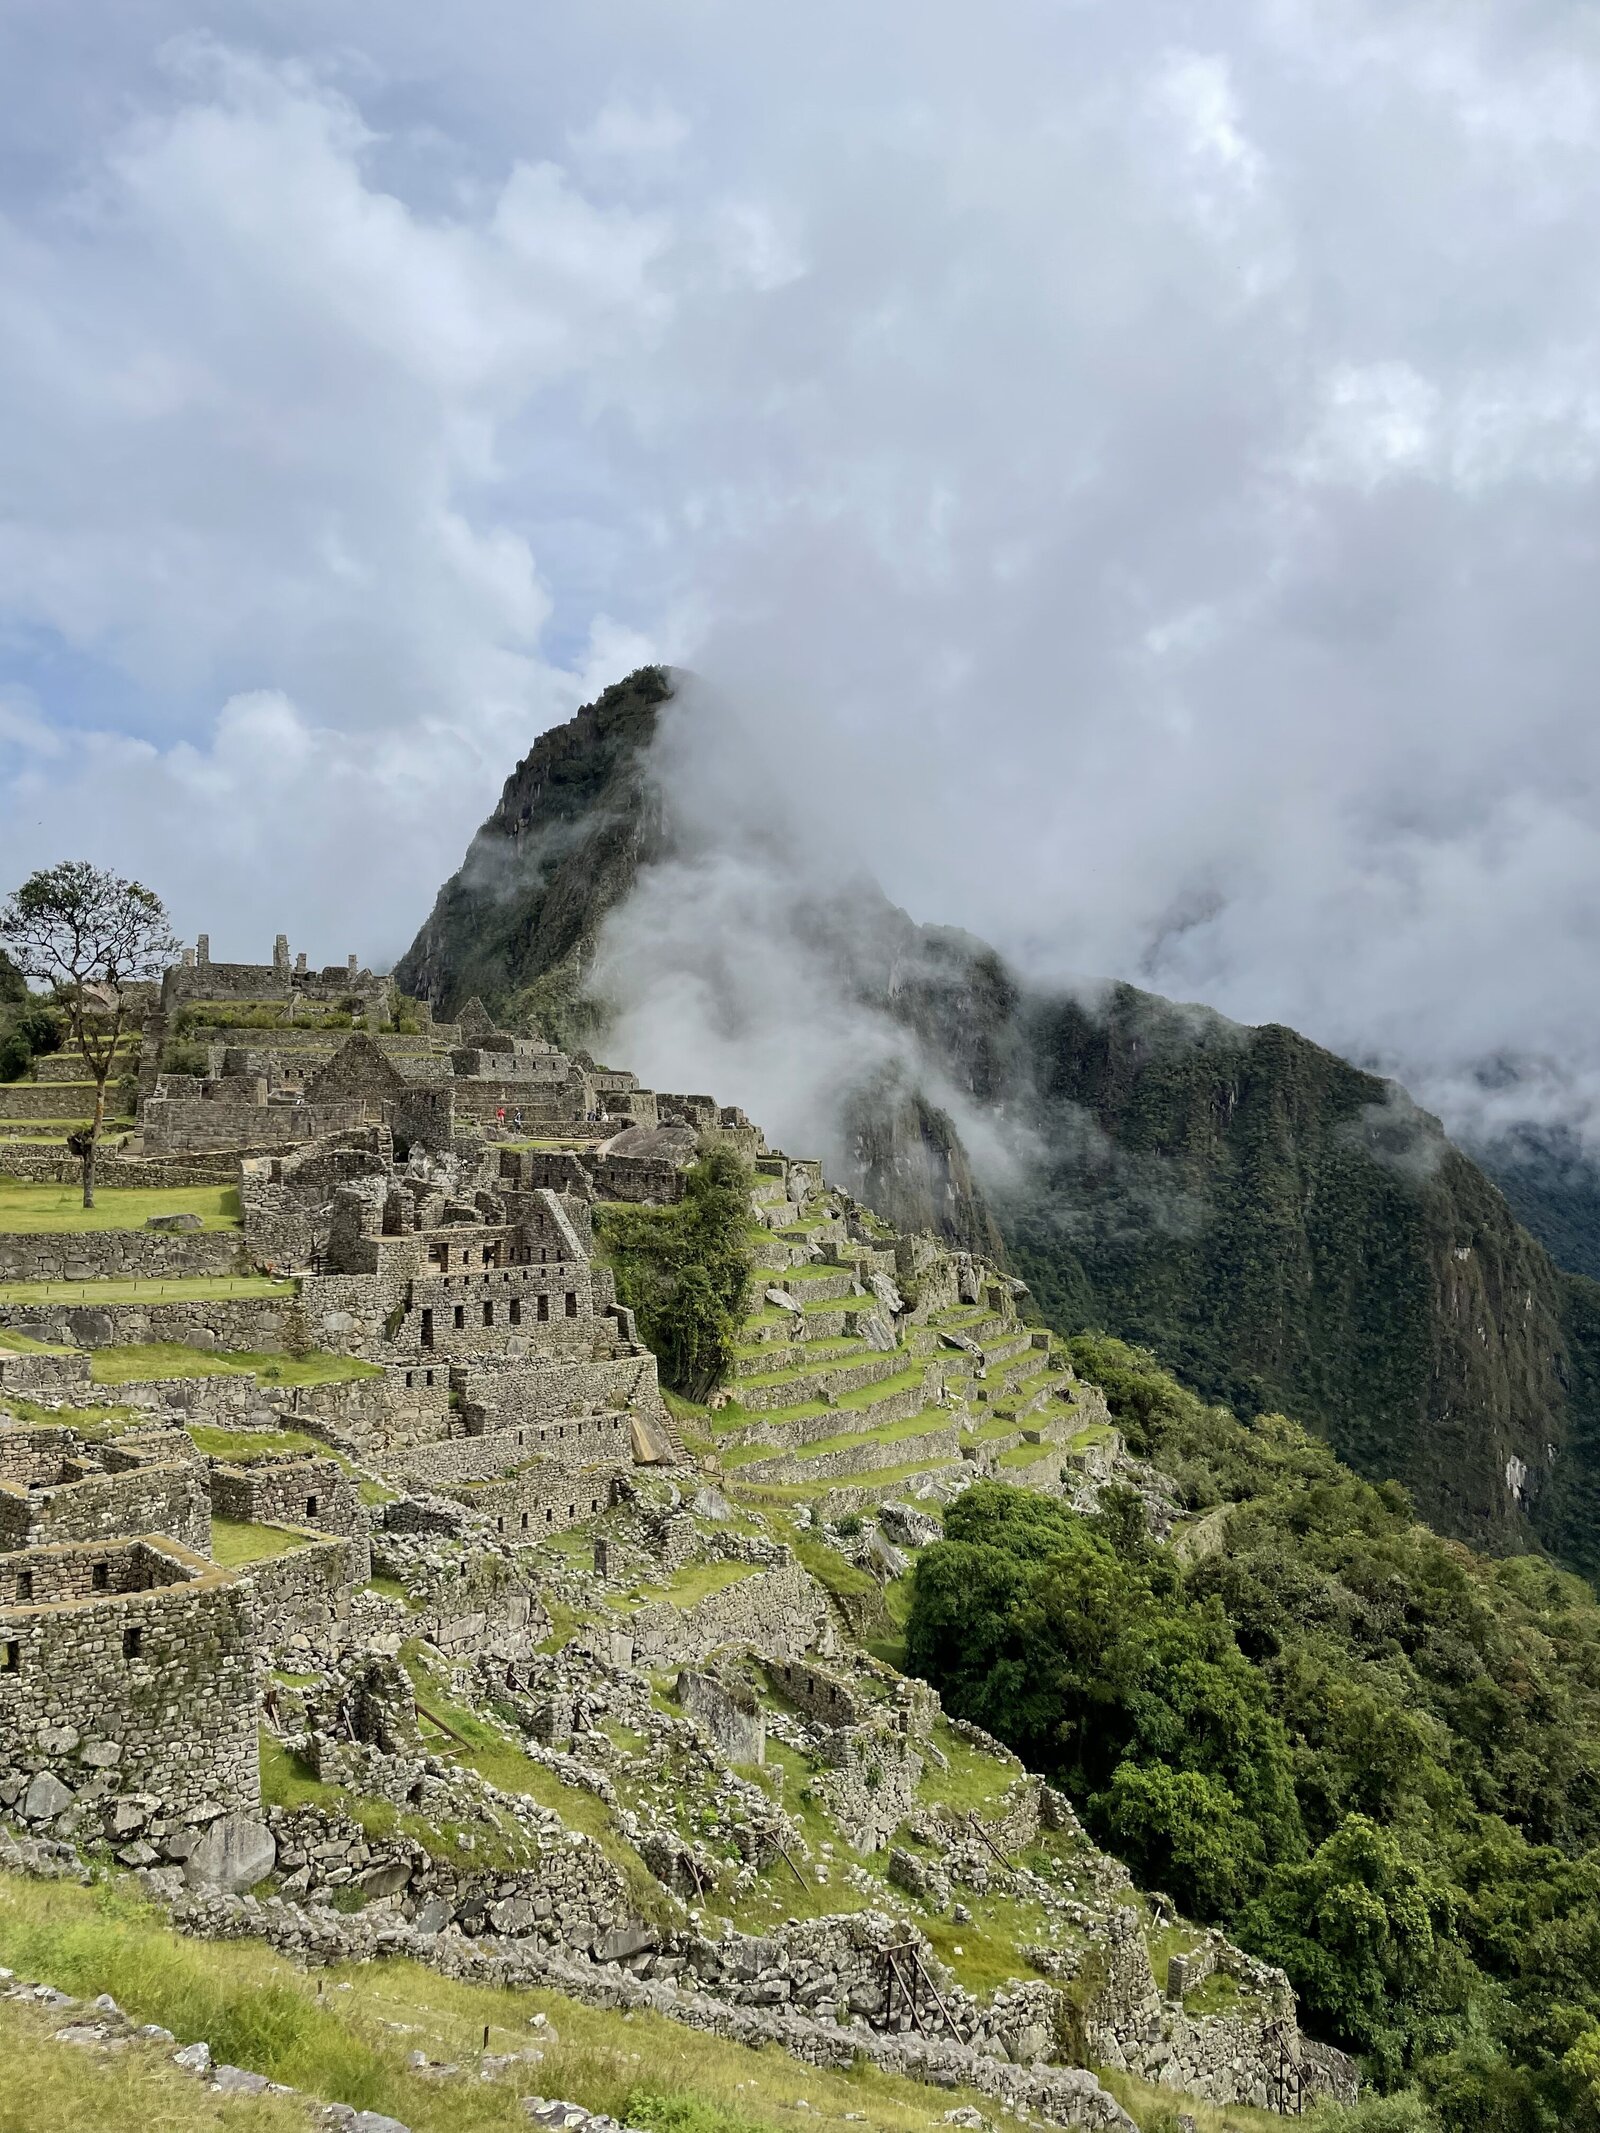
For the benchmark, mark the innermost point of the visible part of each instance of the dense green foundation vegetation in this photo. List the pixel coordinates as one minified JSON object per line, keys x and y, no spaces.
{"x":1370,"y":1754}
{"x":685,"y":1269}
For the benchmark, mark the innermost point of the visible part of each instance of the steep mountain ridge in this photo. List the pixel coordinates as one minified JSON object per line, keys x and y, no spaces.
{"x":1284,"y":1229}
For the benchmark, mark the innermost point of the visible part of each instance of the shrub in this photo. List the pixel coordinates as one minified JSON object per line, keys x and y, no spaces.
{"x":685,"y":1269}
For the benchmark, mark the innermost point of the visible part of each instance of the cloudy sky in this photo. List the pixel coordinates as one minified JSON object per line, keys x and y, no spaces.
{"x":1131,"y":468}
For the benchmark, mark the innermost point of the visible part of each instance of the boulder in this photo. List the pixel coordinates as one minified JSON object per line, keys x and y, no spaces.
{"x":910,"y":1527}
{"x":887,"y":1294}
{"x":46,"y":1797}
{"x":234,"y":1854}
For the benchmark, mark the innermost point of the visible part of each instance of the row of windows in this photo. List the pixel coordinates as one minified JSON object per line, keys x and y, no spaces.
{"x":492,"y":1255}
{"x":99,"y":1580}
{"x":554,"y":1267}
{"x":549,"y":1515}
{"x":11,"y":1650}
{"x":513,"y":1316}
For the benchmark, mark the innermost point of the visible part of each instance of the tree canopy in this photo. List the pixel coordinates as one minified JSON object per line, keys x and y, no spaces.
{"x":1371,"y":1755}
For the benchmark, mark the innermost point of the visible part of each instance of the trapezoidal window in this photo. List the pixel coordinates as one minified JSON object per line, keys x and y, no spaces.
{"x":427,"y":1335}
{"x":132,"y":1643}
{"x":10,"y":1658}
{"x":100,"y":1577}
{"x":24,"y":1584}
{"x":311,"y":1506}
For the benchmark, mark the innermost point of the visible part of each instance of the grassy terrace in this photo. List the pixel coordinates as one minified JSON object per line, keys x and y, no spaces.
{"x":170,"y":1359}
{"x":187,"y":1289}
{"x":242,"y":1447}
{"x":235,"y":1542}
{"x":881,"y":1480}
{"x":345,"y":2036}
{"x":37,"y":1210}
{"x":1029,"y":1454}
{"x":686,"y":1587}
{"x":62,"y":1125}
{"x":23,"y":1344}
{"x":916,"y":1425}
{"x":861,"y":1402}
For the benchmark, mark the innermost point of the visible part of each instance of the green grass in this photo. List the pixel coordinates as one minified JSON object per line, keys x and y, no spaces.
{"x":235,"y":1543}
{"x":88,"y":1421}
{"x":170,"y":1359}
{"x":344,"y":2036}
{"x":864,"y":1398}
{"x":917,"y":1425}
{"x":391,"y":1588}
{"x":110,"y":1126}
{"x":883,"y":1481}
{"x":28,"y":1209}
{"x":22,"y":1344}
{"x":974,"y":1780}
{"x":239,"y":1447}
{"x":46,"y":2087}
{"x":499,"y":1846}
{"x":185,"y":1289}
{"x":1029,"y":1455}
{"x":694,"y":1582}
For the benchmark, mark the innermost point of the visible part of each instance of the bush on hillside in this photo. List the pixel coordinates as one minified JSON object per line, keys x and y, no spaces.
{"x":685,"y":1269}
{"x":1370,"y":1754}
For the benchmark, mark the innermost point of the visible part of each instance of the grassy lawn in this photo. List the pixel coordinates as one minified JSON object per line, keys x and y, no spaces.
{"x":234,"y":1543}
{"x":33,"y":1209}
{"x":198,"y":1289}
{"x":23,"y":1344}
{"x":693,"y":1583}
{"x":344,"y":2036}
{"x":170,"y":1359}
{"x":242,"y":1447}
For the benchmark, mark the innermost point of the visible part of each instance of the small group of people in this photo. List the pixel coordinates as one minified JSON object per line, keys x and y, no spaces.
{"x":516,"y":1118}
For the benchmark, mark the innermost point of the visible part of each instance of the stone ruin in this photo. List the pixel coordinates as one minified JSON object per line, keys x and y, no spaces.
{"x":483,"y":1518}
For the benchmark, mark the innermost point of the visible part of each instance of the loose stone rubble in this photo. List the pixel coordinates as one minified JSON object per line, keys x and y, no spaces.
{"x":439,"y":1638}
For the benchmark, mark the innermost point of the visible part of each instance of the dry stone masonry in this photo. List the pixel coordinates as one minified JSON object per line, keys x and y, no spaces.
{"x":359,"y":1588}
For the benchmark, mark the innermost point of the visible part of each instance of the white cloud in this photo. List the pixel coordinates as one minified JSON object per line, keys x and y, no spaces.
{"x":1137,"y":492}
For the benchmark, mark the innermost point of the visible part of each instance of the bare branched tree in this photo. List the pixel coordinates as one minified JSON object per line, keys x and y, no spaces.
{"x":92,"y":936}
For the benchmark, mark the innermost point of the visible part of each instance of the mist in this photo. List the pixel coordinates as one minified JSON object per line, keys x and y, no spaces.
{"x":1127,"y":482}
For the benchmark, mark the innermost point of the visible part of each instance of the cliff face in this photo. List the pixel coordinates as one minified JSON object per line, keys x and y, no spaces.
{"x":1286,"y":1231}
{"x":576,"y":820}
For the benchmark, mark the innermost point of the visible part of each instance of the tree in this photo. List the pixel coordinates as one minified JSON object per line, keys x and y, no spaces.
{"x":92,"y":936}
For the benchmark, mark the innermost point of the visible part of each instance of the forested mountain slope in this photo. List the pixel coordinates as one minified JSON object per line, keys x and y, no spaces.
{"x":1286,"y":1231}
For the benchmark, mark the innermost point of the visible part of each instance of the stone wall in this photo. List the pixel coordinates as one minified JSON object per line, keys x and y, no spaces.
{"x":119,"y":1254}
{"x":169,"y":1500}
{"x":270,"y":1323}
{"x":179,"y":1125}
{"x":307,"y":1591}
{"x":543,"y":1498}
{"x":289,"y":1489}
{"x":149,"y":1690}
{"x":578,"y":1440}
{"x":55,"y":1099}
{"x":45,"y":1166}
{"x":729,"y":1712}
{"x":782,"y":1611}
{"x":44,"y":1377}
